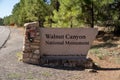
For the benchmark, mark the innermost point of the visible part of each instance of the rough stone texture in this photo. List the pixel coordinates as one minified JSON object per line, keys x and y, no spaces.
{"x":31,"y":47}
{"x":33,"y":50}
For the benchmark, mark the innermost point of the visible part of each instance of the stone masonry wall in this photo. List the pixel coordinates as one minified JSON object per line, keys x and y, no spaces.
{"x":32,"y":53}
{"x":31,"y":49}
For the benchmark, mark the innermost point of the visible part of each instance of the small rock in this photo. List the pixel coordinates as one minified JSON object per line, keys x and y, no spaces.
{"x":91,"y":70}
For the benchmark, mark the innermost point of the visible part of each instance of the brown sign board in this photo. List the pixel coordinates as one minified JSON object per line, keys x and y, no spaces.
{"x":66,"y":41}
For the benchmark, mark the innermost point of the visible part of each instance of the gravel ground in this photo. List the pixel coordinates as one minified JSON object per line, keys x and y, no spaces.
{"x":12,"y":69}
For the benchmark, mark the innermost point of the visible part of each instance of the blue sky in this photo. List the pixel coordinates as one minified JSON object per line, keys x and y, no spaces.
{"x":6,"y":7}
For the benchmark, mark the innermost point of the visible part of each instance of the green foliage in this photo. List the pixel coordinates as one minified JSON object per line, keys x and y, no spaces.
{"x":16,"y":14}
{"x":19,"y":56}
{"x":1,"y":21}
{"x":27,"y":11}
{"x":46,"y":74}
{"x":68,"y":14}
{"x":14,"y":76}
{"x":7,"y":20}
{"x":100,"y":53}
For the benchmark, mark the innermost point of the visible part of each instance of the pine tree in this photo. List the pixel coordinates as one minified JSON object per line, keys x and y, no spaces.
{"x":68,"y":14}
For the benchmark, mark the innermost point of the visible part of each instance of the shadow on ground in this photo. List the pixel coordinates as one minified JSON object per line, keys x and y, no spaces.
{"x":108,"y":40}
{"x":81,"y":68}
{"x":65,"y":68}
{"x":104,"y":45}
{"x":105,"y":36}
{"x":106,"y":69}
{"x":95,"y":67}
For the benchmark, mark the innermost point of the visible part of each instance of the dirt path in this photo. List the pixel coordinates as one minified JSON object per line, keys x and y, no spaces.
{"x":12,"y":69}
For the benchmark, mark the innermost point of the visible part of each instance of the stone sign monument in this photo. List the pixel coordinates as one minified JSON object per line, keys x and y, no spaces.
{"x":59,"y":43}
{"x":66,"y":41}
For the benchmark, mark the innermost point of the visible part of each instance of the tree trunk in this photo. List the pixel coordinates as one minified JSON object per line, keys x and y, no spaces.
{"x":71,"y":24}
{"x":40,"y":23}
{"x":92,"y":15}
